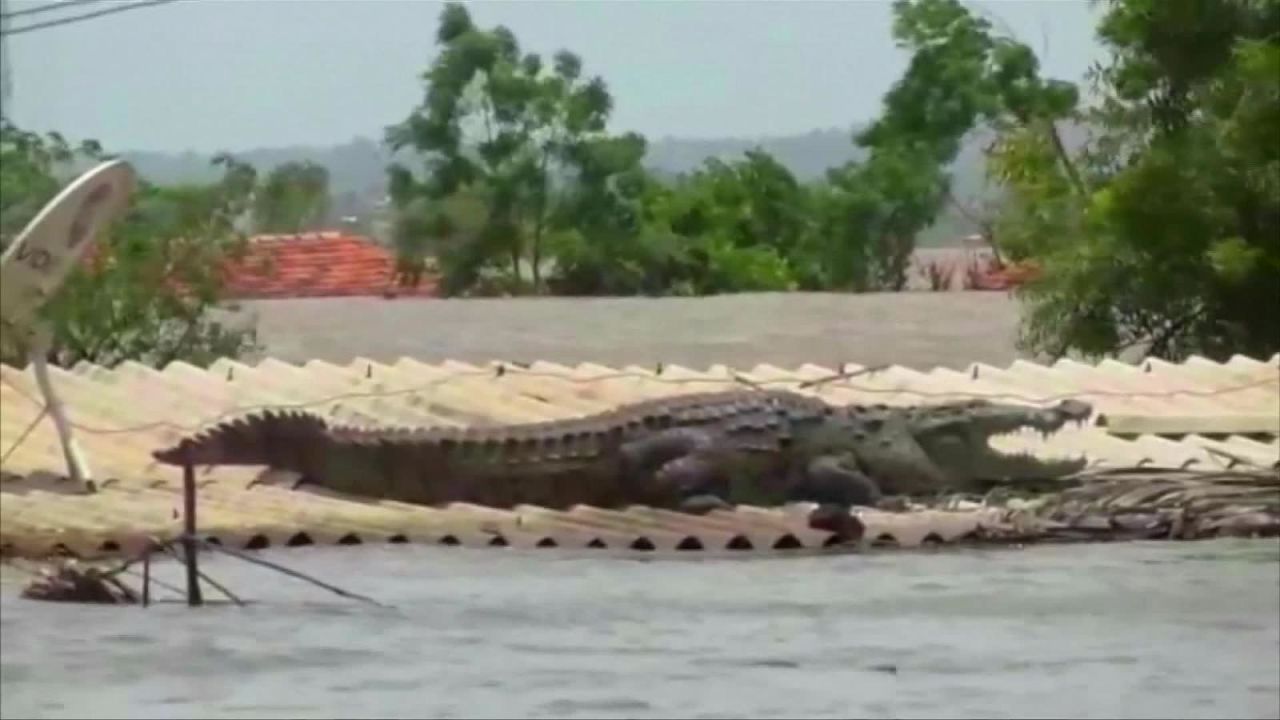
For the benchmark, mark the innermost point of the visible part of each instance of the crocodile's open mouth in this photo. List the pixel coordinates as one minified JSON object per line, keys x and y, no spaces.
{"x":958,"y":439}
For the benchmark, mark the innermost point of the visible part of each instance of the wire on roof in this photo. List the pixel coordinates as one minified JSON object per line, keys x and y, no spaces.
{"x":516,"y":371}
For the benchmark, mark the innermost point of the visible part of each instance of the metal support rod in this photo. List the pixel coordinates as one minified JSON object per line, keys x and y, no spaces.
{"x":291,"y":573}
{"x":189,"y":526}
{"x":146,"y":575}
{"x":216,"y":585}
{"x":77,"y":467}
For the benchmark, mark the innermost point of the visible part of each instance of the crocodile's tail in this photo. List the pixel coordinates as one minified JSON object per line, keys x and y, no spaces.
{"x":279,"y":439}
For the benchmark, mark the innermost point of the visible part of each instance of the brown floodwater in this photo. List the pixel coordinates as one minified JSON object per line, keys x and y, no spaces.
{"x":1141,"y":630}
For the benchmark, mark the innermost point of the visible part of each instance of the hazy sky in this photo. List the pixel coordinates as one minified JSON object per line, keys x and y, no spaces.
{"x":237,"y":74}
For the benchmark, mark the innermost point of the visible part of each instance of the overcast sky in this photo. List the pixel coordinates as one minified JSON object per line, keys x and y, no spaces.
{"x":237,"y":74}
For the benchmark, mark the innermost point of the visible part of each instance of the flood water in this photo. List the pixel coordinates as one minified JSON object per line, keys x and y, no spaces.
{"x":1129,"y":630}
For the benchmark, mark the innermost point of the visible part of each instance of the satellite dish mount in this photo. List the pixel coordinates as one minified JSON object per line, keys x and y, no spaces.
{"x":37,"y":263}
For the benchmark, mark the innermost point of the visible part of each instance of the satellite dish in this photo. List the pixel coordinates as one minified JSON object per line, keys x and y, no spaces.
{"x":36,"y":265}
{"x":38,"y":261}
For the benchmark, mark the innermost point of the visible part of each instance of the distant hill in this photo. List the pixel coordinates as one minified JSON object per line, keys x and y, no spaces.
{"x":357,"y":168}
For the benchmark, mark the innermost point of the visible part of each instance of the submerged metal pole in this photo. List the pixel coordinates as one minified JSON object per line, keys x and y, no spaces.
{"x":189,"y":526}
{"x":146,"y":575}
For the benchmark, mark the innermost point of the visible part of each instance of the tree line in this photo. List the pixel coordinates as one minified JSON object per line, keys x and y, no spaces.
{"x":1162,"y":231}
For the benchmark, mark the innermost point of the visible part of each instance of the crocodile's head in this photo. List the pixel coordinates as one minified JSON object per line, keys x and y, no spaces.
{"x":925,"y":448}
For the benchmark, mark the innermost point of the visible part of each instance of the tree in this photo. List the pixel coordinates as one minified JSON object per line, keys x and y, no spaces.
{"x":870,"y":215}
{"x":292,"y":197}
{"x":29,"y":164}
{"x":603,"y":239}
{"x":148,"y":291}
{"x":502,"y":128}
{"x":1162,"y":231}
{"x":734,"y":225}
{"x":1169,"y":240}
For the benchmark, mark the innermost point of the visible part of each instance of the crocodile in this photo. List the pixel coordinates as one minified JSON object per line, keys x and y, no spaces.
{"x":691,"y":452}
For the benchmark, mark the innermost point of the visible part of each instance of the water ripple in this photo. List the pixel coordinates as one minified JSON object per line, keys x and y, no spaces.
{"x":1136,"y":630}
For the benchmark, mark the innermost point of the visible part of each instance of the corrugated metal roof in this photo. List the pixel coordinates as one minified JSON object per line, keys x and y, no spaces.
{"x":126,"y":412}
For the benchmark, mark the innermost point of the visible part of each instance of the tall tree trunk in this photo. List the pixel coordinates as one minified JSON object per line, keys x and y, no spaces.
{"x":536,"y":258}
{"x":540,"y":223}
{"x":515,"y":266}
{"x":1065,"y":159}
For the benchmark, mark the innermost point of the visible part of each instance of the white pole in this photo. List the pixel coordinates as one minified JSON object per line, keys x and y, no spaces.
{"x":33,"y":268}
{"x":77,"y":465}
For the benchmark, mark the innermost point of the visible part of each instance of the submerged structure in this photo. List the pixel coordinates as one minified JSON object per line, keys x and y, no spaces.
{"x":1166,"y":450}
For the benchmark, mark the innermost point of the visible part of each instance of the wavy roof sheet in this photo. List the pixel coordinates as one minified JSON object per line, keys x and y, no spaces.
{"x":1196,"y":414}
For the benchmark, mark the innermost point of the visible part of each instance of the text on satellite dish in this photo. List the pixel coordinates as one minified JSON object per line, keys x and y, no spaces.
{"x":39,"y":259}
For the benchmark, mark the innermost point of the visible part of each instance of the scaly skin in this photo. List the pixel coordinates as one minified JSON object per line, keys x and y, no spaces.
{"x":692,"y":452}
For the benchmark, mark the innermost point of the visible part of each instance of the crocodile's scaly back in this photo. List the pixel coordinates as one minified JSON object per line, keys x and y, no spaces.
{"x":550,"y":463}
{"x":730,"y":444}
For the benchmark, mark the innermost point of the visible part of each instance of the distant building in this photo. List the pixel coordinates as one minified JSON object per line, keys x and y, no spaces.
{"x":320,"y":264}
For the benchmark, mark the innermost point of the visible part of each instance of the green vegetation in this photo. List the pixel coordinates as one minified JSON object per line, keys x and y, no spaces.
{"x":146,"y":291}
{"x":1164,"y":231}
{"x":293,"y":197}
{"x":1160,"y":230}
{"x":519,"y":168}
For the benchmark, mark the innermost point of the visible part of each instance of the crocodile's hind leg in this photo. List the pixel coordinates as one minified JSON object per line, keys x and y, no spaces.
{"x":650,"y":453}
{"x":699,"y":481}
{"x":834,"y":480}
{"x":677,"y":464}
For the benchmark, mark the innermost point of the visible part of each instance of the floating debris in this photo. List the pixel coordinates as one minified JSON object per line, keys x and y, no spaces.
{"x":68,"y":582}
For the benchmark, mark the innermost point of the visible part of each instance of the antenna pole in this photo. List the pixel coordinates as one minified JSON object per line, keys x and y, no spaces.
{"x":34,"y":266}
{"x":77,"y":466}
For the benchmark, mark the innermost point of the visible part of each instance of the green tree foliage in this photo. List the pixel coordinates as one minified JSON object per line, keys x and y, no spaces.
{"x":728,"y":227}
{"x":148,"y":290}
{"x":603,"y":243}
{"x":293,"y":197}
{"x":1161,"y":231}
{"x":504,"y":129}
{"x":733,"y":226}
{"x":959,"y":76}
{"x":1170,"y":241}
{"x":518,"y":165}
{"x":28,"y":163}
{"x":870,"y":215}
